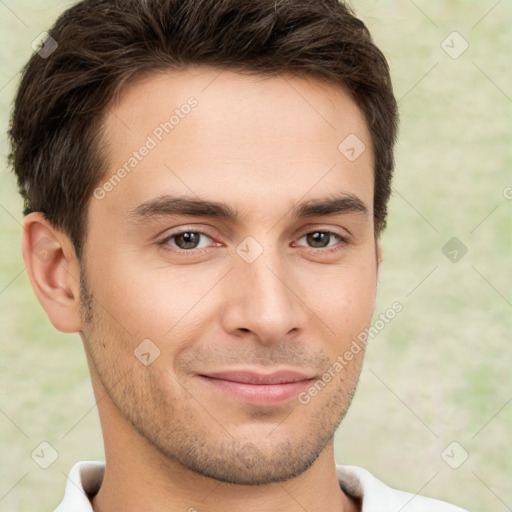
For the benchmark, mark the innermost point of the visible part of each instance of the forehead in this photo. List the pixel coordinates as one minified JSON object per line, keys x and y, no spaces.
{"x":206,"y":130}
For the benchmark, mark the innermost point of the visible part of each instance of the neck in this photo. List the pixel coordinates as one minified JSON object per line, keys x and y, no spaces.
{"x":132,"y":484}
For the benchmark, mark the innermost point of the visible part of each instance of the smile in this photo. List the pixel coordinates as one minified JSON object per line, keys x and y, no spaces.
{"x":259,"y":389}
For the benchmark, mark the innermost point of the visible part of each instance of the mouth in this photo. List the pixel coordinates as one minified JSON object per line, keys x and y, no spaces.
{"x":258,"y":388}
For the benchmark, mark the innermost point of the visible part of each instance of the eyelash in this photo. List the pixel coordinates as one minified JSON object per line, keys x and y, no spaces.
{"x":329,"y":249}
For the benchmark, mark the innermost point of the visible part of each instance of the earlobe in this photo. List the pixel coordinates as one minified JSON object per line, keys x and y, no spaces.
{"x":53,"y":271}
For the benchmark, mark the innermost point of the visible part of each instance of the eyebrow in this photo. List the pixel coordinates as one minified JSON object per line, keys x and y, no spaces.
{"x":167,"y":205}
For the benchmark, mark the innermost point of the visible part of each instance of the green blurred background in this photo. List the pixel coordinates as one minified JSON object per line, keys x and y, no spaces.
{"x":438,"y":373}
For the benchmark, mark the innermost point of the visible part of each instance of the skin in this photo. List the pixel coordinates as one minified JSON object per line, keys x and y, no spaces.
{"x":261,"y":146}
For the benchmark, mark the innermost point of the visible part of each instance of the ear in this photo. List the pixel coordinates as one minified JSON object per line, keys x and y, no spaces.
{"x":53,"y":270}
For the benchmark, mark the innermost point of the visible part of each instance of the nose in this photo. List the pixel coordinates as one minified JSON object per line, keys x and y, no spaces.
{"x":263,"y":298}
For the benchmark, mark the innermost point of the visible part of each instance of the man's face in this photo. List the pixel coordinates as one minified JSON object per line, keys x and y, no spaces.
{"x":241,"y":316}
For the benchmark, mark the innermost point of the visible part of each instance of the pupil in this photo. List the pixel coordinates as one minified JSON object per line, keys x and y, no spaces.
{"x":190,"y":240}
{"x":318,"y":239}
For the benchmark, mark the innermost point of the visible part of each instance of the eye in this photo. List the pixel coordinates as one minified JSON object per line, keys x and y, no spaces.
{"x":322,"y":239}
{"x":186,"y":240}
{"x":189,"y":241}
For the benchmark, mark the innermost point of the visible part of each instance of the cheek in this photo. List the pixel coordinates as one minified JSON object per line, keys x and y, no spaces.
{"x":344,"y":299}
{"x":151,"y":302}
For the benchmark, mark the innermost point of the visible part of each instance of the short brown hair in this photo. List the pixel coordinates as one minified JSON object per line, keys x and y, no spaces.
{"x":57,"y":118}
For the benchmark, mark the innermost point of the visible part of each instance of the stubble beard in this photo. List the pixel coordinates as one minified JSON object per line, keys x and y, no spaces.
{"x":187,"y":433}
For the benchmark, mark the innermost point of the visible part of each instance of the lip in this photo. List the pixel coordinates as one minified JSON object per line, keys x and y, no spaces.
{"x":258,"y":388}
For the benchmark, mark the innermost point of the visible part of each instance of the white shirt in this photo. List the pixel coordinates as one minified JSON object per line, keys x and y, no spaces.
{"x":86,"y":477}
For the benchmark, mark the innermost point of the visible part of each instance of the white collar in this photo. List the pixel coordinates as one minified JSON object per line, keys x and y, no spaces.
{"x":85,"y":479}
